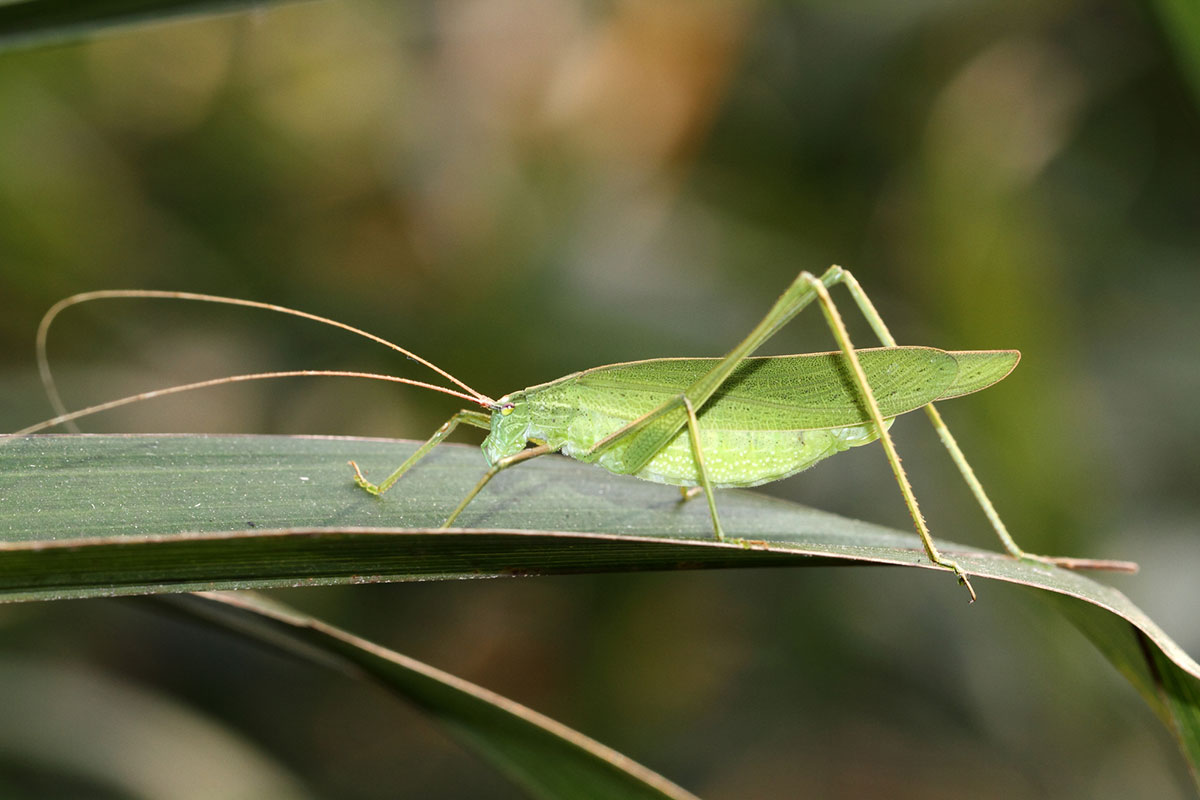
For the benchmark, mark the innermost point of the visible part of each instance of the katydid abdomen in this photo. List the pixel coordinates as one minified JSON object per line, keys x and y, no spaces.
{"x":733,"y":458}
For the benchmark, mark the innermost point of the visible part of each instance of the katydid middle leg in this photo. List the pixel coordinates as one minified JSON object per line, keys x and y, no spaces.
{"x":693,"y":427}
{"x":502,"y":464}
{"x":663,"y":412}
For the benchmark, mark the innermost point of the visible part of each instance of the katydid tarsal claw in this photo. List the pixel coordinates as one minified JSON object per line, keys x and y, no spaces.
{"x":706,"y":423}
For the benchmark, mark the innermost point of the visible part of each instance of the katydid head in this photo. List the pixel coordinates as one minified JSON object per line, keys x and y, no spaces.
{"x":510,"y":423}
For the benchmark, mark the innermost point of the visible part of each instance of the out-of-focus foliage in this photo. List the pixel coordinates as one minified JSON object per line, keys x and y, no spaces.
{"x":518,"y":189}
{"x":33,"y":23}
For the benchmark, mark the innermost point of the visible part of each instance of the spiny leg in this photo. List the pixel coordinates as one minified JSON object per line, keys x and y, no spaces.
{"x":875,"y":320}
{"x":693,"y":426}
{"x":871,"y":314}
{"x":502,"y":464}
{"x":649,"y":434}
{"x":476,"y":418}
{"x":838,"y":328}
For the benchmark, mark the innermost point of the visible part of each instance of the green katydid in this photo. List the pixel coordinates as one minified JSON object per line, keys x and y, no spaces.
{"x":701,"y":423}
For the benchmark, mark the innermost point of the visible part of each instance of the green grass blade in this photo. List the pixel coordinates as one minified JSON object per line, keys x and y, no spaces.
{"x":38,"y":22}
{"x":70,"y":730}
{"x":1156,"y":668}
{"x":88,"y":516}
{"x":549,"y":759}
{"x":1181,"y":25}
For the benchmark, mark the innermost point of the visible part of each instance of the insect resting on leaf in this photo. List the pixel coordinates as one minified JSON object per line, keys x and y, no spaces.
{"x":703,"y":423}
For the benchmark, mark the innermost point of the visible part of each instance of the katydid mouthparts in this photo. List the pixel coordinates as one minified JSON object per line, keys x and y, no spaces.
{"x":696,"y":423}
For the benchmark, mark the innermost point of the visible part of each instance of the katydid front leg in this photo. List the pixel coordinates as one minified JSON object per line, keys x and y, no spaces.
{"x":478,"y":420}
{"x":475,"y":418}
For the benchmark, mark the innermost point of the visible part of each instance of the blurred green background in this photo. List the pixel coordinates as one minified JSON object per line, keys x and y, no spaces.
{"x":517,"y":189}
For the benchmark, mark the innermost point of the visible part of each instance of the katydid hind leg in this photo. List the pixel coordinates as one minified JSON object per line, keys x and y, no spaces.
{"x":875,"y":320}
{"x":802,"y":291}
{"x":474,"y":418}
{"x":798,"y":295}
{"x":838,"y":327}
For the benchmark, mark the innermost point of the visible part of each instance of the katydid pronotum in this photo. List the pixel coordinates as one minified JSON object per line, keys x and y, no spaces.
{"x":702,"y":423}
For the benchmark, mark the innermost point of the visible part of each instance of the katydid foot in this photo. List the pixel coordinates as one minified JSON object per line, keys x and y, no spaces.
{"x":362,"y":481}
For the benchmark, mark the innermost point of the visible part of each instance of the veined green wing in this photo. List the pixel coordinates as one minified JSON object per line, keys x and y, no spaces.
{"x":794,"y":392}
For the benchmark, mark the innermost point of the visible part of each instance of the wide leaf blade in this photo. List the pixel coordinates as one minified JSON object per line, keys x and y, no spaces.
{"x":87,"y":516}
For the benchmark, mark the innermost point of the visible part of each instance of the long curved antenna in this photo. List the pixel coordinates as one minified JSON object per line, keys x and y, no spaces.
{"x":85,"y":297}
{"x":254,"y":376}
